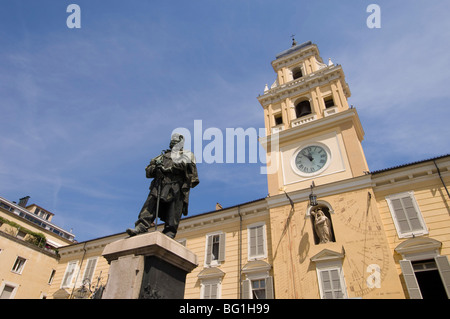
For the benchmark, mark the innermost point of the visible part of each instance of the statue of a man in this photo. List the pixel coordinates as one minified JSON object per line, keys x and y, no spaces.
{"x":322,"y":226}
{"x":174,"y":173}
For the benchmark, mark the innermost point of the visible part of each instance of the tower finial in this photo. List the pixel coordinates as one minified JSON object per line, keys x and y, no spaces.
{"x":294,"y":43}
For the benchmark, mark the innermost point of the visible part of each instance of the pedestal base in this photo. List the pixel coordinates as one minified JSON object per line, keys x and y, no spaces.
{"x":147,"y":266}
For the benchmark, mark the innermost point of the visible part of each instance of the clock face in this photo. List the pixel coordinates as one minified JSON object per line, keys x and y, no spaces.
{"x":311,"y":160}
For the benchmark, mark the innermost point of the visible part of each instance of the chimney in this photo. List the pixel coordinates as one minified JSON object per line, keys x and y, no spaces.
{"x":23,"y":201}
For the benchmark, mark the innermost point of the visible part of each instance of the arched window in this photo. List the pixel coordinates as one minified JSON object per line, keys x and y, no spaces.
{"x":302,"y":108}
{"x":297,"y":73}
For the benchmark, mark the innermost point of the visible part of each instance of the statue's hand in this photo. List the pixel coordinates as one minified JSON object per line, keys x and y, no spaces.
{"x":159,"y":173}
{"x":165,"y":170}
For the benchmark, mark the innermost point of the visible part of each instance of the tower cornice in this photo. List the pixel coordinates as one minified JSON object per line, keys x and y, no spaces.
{"x":318,"y":78}
{"x":316,"y":126}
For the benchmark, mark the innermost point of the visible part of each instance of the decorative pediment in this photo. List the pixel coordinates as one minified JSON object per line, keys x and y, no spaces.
{"x":256,"y":266}
{"x":61,"y":294}
{"x":418,"y":245}
{"x":327,"y":255}
{"x":212,"y":272}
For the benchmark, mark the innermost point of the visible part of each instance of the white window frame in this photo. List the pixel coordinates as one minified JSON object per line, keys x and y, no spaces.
{"x":21,"y":266}
{"x":248,"y":292}
{"x":209,"y":283}
{"x":327,"y":267}
{"x":406,"y":234}
{"x":221,"y":254}
{"x":72,"y":276}
{"x":249,"y":243}
{"x":10,"y":284}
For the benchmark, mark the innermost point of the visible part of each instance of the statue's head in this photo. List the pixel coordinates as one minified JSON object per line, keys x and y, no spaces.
{"x":318,"y":212}
{"x":177,"y":142}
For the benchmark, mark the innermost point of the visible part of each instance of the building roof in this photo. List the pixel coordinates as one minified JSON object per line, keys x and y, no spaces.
{"x":38,"y":221}
{"x":293,"y":49}
{"x":408,"y":164}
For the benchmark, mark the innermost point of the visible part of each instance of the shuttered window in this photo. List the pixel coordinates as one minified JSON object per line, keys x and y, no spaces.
{"x":215,"y":249}
{"x":18,"y":265}
{"x":210,"y":290}
{"x":68,"y":275}
{"x":408,"y":271}
{"x":258,"y":288}
{"x":90,"y":268}
{"x":257,"y":241}
{"x":406,"y":215}
{"x":331,"y":283}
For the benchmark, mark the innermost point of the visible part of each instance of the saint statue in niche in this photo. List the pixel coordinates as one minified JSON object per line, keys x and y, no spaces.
{"x":322,"y":226}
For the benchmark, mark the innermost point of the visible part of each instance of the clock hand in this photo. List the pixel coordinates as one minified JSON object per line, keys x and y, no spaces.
{"x":308,"y":156}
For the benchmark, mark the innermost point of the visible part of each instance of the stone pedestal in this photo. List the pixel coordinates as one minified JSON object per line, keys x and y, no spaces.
{"x":147,"y":266}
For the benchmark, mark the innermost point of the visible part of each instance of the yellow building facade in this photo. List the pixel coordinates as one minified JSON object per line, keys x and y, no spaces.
{"x":28,"y":250}
{"x":329,"y":227}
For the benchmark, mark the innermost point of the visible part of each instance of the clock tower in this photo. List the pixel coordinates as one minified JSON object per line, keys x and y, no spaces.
{"x":311,"y":132}
{"x":326,"y":240}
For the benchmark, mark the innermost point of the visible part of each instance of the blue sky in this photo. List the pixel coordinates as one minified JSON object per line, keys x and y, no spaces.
{"x":84,"y":110}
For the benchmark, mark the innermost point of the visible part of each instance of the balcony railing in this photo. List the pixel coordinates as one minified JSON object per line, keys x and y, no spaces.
{"x":303,"y":120}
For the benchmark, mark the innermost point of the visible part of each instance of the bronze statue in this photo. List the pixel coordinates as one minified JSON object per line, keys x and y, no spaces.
{"x":174,"y":173}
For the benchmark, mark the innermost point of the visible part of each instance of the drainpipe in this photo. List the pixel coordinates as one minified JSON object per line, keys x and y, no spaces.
{"x":442,"y":180}
{"x":78,"y":274}
{"x":240,"y":252}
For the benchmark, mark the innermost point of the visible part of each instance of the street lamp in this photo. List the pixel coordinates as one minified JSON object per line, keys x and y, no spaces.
{"x":312,"y":196}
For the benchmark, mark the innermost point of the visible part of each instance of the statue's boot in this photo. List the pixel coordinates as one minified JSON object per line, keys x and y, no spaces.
{"x":139,"y":229}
